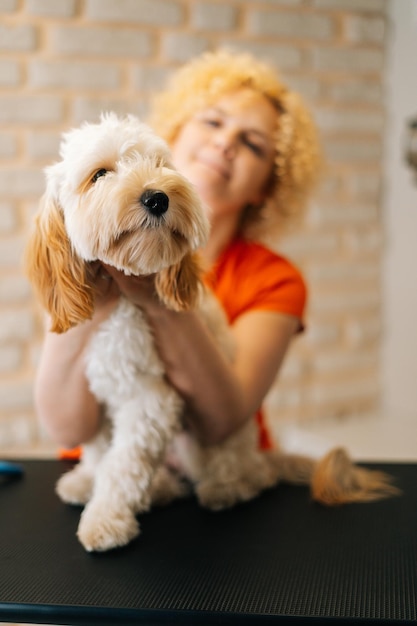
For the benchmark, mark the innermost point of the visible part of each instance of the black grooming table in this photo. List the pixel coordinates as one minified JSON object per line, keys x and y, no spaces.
{"x":280,"y":559}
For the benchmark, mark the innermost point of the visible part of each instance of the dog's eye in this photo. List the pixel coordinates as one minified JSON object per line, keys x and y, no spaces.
{"x":99,"y":174}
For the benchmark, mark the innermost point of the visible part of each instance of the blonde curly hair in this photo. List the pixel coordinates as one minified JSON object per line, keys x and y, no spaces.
{"x":202,"y":81}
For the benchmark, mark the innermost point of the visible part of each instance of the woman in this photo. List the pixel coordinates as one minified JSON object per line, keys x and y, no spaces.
{"x":249,"y":146}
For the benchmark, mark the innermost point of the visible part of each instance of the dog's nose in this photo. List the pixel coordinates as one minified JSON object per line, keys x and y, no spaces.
{"x":156,"y":202}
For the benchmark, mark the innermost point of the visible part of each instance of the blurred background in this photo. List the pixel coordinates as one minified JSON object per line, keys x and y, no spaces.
{"x":351,"y":378}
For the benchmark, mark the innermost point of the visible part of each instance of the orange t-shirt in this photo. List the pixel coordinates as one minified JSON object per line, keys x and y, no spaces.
{"x":250,"y":277}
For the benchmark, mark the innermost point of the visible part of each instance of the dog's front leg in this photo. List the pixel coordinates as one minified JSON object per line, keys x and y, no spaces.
{"x":76,"y":485}
{"x":142,"y":430}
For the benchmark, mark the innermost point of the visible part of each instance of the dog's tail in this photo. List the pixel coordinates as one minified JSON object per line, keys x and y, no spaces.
{"x":334,"y":479}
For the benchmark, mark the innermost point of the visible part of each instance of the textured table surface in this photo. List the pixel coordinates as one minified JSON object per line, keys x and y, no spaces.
{"x":278,"y":559}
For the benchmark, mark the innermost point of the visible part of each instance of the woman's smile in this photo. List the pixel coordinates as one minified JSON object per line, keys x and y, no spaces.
{"x":215,"y":164}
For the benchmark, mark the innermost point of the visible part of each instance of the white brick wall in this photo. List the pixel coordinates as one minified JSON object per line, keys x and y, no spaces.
{"x":8,"y":6}
{"x":16,"y":324}
{"x":109,"y":42}
{"x":365,"y":29}
{"x":14,"y":185}
{"x":301,"y":26}
{"x":51,"y":8}
{"x":64,"y":61}
{"x":14,"y":289}
{"x":8,"y":217}
{"x":11,"y":251}
{"x":367,"y":91}
{"x":30,"y":109}
{"x":17,"y":38}
{"x":352,"y":5}
{"x":157,"y":13}
{"x":8,"y":146}
{"x":73,"y":75}
{"x":180,"y":47}
{"x":286,"y":57}
{"x":360,"y":150}
{"x":356,"y":61}
{"x":10,"y":73}
{"x":213,"y":16}
{"x":42,"y":145}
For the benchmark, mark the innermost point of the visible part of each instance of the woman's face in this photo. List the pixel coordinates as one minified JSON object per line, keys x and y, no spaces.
{"x":227,"y":151}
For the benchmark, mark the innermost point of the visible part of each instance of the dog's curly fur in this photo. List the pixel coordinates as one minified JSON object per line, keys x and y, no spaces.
{"x":115,"y":197}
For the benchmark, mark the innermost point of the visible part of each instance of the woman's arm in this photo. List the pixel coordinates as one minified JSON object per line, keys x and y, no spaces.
{"x":64,"y":404}
{"x":220,"y":396}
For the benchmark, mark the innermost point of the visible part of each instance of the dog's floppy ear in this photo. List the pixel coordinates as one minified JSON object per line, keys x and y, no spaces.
{"x":179,"y":285}
{"x":59,"y":276}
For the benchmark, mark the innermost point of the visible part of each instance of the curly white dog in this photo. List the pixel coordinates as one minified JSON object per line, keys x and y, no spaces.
{"x":115,"y":197}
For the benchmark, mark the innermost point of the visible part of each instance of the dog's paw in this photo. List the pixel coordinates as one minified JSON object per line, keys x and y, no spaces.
{"x":76,"y":486}
{"x":102,"y":529}
{"x":218,"y":496}
{"x":167,"y":487}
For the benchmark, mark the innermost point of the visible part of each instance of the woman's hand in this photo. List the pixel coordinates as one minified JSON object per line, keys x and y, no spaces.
{"x":106,"y":292}
{"x":140,"y":290}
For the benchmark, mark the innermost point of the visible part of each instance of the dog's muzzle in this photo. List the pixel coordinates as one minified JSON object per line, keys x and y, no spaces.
{"x":156,"y":202}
